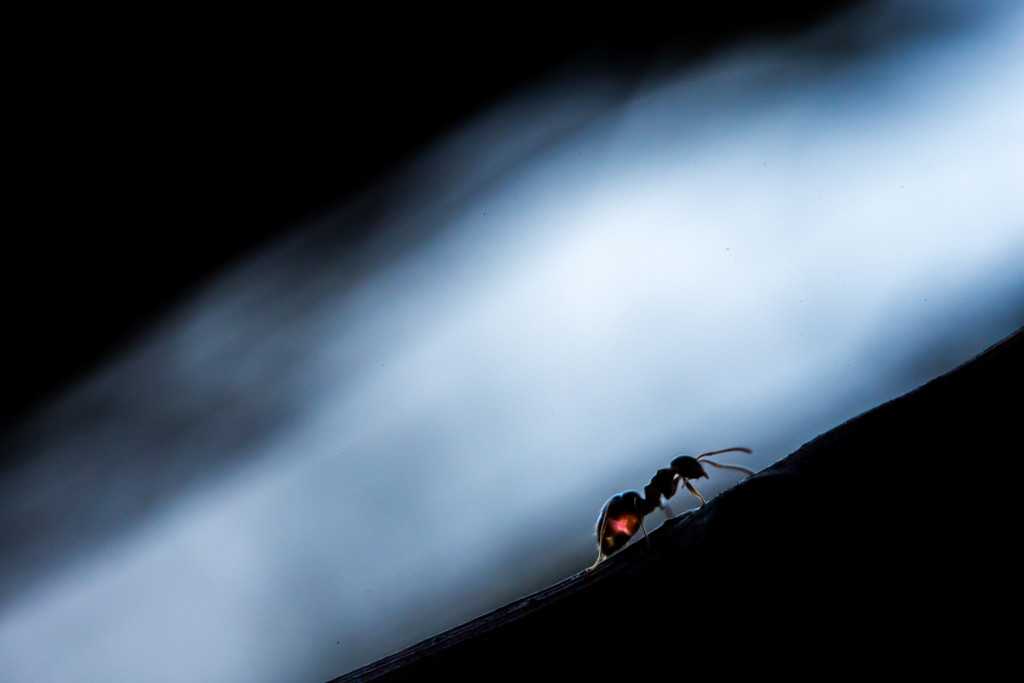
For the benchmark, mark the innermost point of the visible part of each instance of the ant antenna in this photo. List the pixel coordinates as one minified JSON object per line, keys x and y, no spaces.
{"x":690,"y":487}
{"x":730,"y":467}
{"x":724,"y":450}
{"x":726,"y":467}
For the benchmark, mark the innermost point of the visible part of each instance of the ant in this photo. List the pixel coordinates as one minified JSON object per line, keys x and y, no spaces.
{"x":624,"y":513}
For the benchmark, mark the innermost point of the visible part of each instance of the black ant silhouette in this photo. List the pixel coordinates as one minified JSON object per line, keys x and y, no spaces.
{"x":624,"y":513}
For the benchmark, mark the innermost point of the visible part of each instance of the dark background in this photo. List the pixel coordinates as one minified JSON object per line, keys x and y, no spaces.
{"x":150,"y":151}
{"x":153,"y":152}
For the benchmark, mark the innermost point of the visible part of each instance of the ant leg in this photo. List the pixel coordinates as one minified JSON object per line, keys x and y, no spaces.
{"x":668,"y":511}
{"x":600,"y":556}
{"x":694,"y":491}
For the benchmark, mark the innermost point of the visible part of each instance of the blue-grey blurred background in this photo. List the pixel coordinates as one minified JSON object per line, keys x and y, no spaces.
{"x":407,"y":408}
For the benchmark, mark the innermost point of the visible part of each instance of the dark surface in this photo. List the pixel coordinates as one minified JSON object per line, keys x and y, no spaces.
{"x":150,"y":151}
{"x":790,"y":572}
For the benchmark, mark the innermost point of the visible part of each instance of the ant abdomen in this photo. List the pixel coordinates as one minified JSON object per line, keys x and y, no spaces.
{"x":620,"y":518}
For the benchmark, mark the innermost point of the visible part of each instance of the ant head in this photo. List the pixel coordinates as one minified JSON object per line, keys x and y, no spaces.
{"x":688,"y":467}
